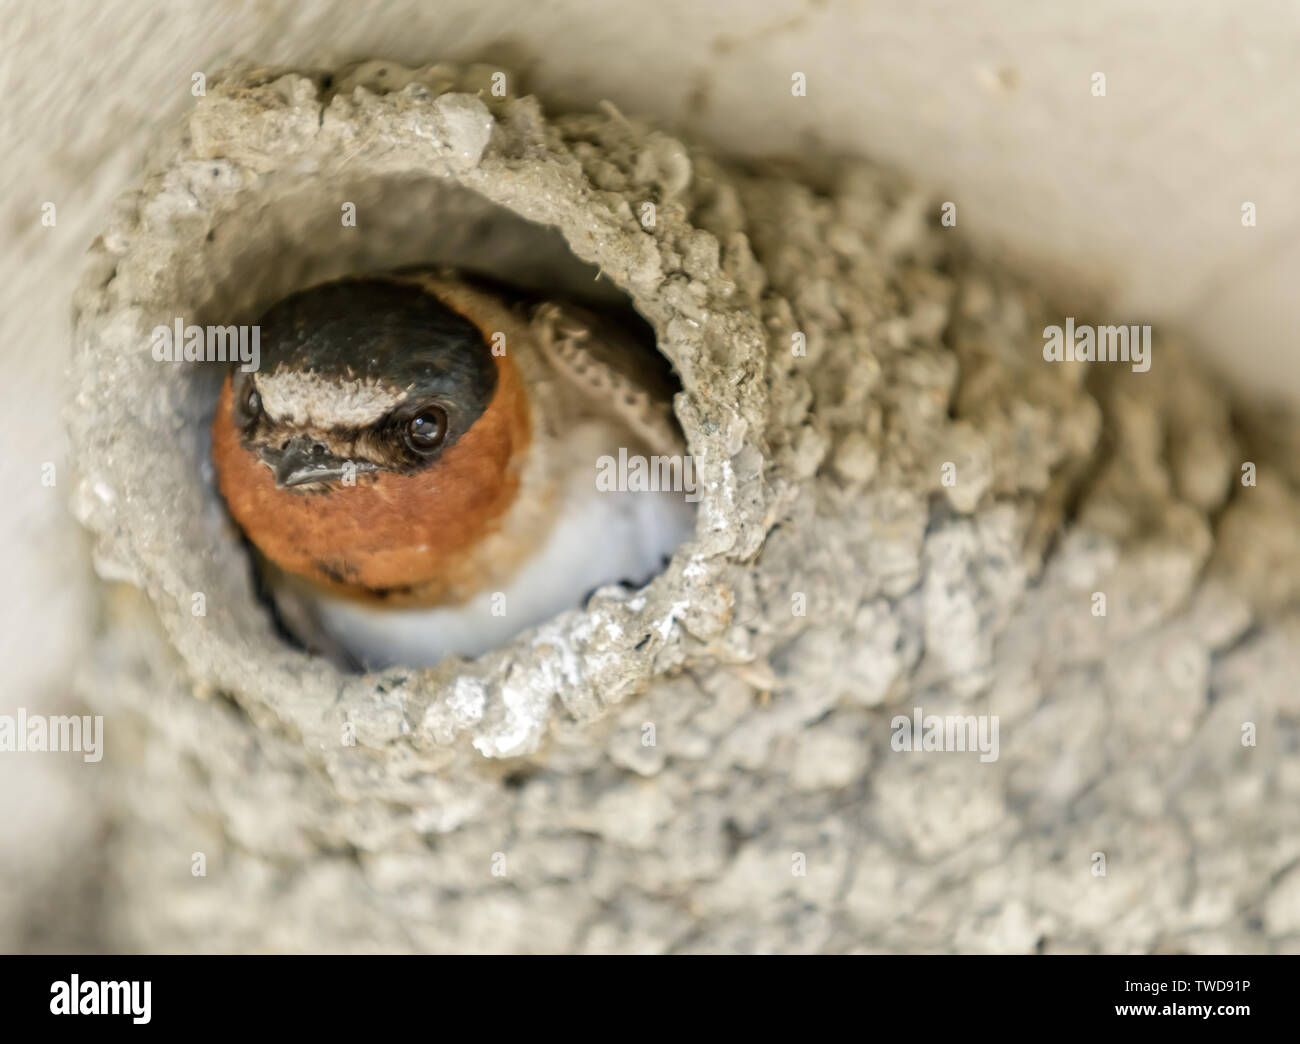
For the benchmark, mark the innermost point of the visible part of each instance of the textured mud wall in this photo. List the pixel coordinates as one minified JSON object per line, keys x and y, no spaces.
{"x":913,"y":510}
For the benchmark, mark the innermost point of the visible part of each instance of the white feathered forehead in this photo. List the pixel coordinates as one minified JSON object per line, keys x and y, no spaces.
{"x":292,"y":397}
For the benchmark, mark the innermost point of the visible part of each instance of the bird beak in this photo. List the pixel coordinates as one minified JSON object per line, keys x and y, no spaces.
{"x":303,"y":461}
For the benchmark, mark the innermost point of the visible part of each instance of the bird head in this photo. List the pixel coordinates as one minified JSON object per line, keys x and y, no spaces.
{"x":378,"y":441}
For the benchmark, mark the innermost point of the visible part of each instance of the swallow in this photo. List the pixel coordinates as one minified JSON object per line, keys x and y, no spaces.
{"x":414,"y":463}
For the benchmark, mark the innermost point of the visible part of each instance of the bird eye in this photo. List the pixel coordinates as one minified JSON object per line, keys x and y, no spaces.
{"x":426,"y":430}
{"x":248,"y":402}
